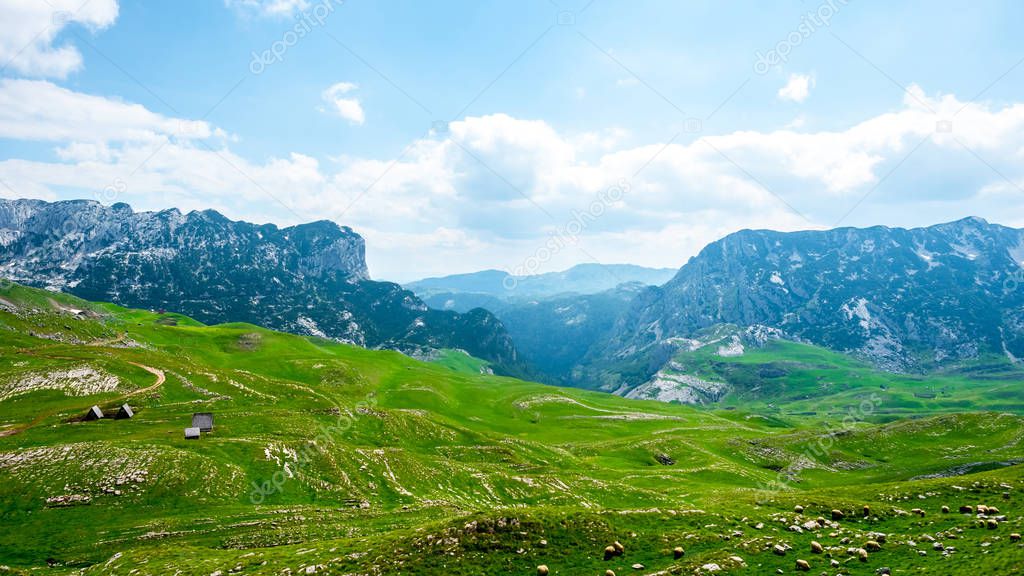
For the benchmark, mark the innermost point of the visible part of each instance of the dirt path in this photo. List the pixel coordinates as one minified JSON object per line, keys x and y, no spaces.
{"x":111,"y":341}
{"x":160,"y":379}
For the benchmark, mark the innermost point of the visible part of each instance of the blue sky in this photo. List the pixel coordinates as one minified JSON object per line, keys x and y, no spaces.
{"x":578,"y":131}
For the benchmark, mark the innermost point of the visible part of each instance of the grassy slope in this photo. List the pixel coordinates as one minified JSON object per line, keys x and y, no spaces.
{"x":793,"y":378}
{"x":384,"y":464}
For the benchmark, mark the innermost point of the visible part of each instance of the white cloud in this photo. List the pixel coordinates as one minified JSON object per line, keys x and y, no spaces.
{"x":279,"y":8}
{"x":797,"y":88}
{"x":348,"y":107}
{"x":29,"y":28}
{"x":498,"y":188}
{"x":42,"y":111}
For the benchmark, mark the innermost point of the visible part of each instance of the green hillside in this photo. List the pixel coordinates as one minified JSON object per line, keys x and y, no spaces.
{"x":331,"y":459}
{"x":782,"y":377}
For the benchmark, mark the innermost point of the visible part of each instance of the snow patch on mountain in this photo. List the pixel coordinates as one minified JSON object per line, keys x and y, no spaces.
{"x":310,"y":326}
{"x":732,"y":348}
{"x":858,"y":308}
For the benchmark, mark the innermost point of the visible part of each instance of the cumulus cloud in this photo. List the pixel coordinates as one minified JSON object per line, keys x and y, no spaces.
{"x":339,"y":102}
{"x":29,"y":29}
{"x":499,"y":189}
{"x":798,"y":88}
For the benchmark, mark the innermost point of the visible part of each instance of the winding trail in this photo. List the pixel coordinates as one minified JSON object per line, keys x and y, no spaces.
{"x":160,"y":379}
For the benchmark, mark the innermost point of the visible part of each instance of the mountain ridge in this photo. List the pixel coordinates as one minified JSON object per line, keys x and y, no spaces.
{"x":906,"y":299}
{"x":309,"y":278}
{"x":587,"y":278}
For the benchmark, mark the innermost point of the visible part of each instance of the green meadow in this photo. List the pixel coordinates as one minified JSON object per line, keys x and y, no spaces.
{"x":331,"y":459}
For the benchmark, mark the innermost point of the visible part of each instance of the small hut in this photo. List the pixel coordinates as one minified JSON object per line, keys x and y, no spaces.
{"x":203,"y":421}
{"x":94,"y":413}
{"x":124,"y":413}
{"x":192,"y":433}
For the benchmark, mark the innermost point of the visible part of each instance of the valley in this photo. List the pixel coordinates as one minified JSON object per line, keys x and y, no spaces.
{"x":328,"y":458}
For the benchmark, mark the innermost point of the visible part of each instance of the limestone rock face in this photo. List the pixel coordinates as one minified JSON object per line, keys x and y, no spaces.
{"x":307,"y":279}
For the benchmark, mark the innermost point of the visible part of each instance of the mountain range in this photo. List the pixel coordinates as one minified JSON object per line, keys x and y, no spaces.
{"x":306,"y":279}
{"x":904,"y":300}
{"x":455,"y":290}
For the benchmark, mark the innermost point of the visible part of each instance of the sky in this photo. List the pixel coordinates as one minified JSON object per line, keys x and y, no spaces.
{"x":524,"y":136}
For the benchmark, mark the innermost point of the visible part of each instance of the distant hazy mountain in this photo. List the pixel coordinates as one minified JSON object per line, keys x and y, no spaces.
{"x":553,"y":335}
{"x":906,"y":300}
{"x":306,"y":279}
{"x":580,"y":279}
{"x":554,"y":319}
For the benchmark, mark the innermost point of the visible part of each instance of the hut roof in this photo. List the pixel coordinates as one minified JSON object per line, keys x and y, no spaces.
{"x":94,"y":413}
{"x":125,"y":412}
{"x":203,"y":421}
{"x":192,"y":433}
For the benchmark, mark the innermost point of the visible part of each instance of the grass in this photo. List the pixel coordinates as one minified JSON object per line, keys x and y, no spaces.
{"x":367,"y":462}
{"x":790,"y":378}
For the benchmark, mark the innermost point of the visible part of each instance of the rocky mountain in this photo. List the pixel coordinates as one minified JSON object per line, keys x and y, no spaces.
{"x":580,"y":279}
{"x":907,"y":300}
{"x":307,"y":279}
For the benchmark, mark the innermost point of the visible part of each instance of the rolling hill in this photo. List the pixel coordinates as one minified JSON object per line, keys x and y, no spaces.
{"x":327,"y":458}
